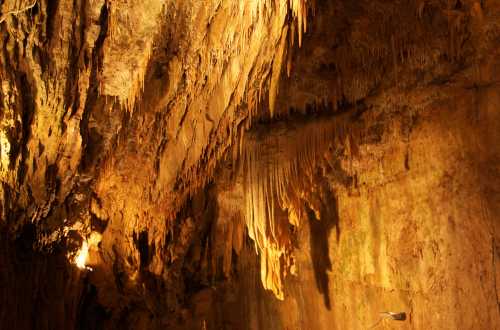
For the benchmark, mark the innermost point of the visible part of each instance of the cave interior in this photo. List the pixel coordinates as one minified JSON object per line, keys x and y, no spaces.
{"x":249,"y":164}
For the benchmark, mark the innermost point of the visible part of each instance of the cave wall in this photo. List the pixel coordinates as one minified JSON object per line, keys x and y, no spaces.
{"x":416,"y":228}
{"x":416,"y":194}
{"x":114,"y":115}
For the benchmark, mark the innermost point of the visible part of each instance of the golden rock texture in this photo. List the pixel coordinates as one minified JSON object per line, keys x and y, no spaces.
{"x":253,"y":164}
{"x":411,"y":224}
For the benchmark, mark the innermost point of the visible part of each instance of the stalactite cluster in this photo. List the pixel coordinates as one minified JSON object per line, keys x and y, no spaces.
{"x":278,"y":173}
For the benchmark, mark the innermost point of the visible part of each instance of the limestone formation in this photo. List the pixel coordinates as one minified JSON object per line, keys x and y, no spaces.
{"x":249,"y":164}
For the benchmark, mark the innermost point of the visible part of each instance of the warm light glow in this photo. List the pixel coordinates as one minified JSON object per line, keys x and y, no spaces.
{"x":4,"y":151}
{"x":80,"y":259}
{"x":82,"y":255}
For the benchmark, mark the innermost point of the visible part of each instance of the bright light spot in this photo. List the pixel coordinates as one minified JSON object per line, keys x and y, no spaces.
{"x":82,"y":255}
{"x":94,"y":239}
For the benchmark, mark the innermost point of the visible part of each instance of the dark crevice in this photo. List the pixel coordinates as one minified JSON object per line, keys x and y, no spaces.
{"x":93,"y":92}
{"x":52,"y":7}
{"x":72,"y":94}
{"x":142,"y":245}
{"x":28,"y":109}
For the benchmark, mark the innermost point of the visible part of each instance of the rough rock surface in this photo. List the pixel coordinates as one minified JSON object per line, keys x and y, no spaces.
{"x":203,"y":157}
{"x":414,"y":225}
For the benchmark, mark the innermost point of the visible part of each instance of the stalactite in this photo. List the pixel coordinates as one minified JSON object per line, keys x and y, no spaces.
{"x":254,"y":12}
{"x":277,"y":170}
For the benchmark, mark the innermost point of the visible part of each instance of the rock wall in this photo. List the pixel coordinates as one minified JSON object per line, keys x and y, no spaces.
{"x":415,"y":230}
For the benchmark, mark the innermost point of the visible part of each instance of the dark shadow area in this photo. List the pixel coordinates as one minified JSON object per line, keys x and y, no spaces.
{"x":39,"y":290}
{"x":319,"y":232}
{"x":142,"y":245}
{"x":92,"y":314}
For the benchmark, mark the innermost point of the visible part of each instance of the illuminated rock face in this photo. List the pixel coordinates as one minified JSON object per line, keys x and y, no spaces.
{"x":406,"y":222}
{"x":184,"y":164}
